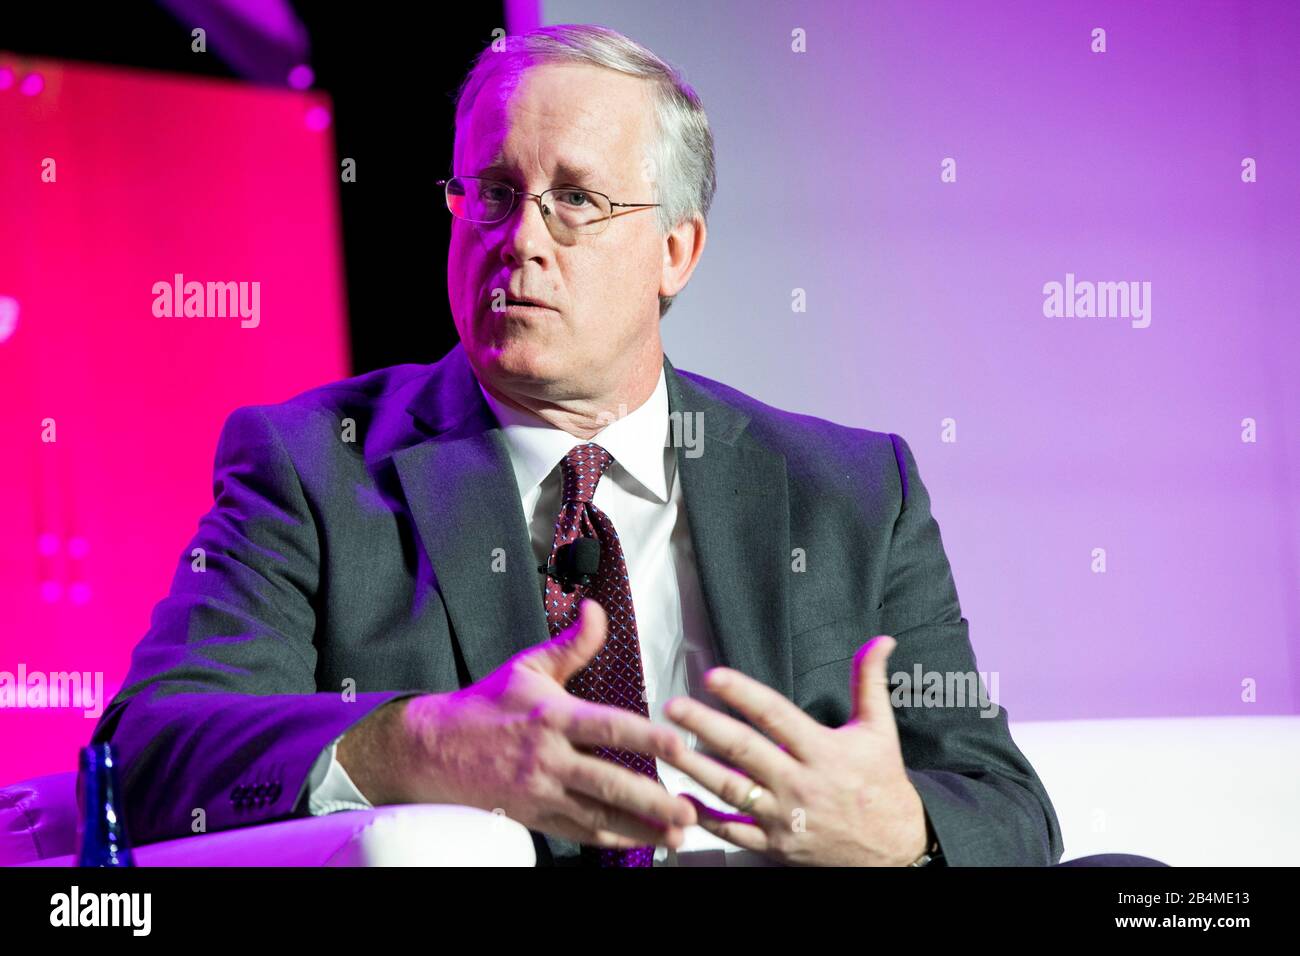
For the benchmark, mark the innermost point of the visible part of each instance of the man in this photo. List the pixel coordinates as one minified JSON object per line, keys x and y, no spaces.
{"x":388,"y":601}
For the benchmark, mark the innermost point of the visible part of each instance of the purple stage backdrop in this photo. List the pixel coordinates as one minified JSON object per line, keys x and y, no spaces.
{"x":898,"y":182}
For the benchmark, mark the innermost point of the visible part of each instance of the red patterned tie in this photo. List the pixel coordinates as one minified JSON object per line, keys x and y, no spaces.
{"x":614,"y":676}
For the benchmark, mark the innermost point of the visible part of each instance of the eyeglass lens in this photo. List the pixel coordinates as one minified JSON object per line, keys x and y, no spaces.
{"x":489,"y":201}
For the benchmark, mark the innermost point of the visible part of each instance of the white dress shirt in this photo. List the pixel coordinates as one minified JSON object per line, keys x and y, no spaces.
{"x":641,"y":493}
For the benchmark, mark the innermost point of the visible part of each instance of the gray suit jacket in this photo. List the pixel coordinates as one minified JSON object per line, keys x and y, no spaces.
{"x":335,"y":575}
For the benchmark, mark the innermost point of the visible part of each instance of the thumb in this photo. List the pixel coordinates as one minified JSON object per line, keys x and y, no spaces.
{"x":570,"y":650}
{"x":870,"y":691}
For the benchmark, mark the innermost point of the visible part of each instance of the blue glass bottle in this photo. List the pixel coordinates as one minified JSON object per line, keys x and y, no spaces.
{"x":102,"y":822}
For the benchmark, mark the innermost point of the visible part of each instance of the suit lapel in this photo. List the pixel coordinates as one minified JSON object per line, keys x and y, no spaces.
{"x":737,"y":505}
{"x":461,"y":490}
{"x":462,"y":493}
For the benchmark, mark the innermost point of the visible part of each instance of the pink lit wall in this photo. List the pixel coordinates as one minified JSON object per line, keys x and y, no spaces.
{"x":152,"y":176}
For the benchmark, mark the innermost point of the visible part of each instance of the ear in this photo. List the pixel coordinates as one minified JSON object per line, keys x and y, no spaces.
{"x":682,"y":248}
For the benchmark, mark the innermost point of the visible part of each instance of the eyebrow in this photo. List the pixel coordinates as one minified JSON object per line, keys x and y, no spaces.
{"x":574,"y":172}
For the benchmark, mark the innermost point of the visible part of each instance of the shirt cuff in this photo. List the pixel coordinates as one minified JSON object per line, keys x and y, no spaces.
{"x":330,"y":789}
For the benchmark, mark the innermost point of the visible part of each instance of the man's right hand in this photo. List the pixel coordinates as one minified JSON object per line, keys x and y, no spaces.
{"x":518,"y":741}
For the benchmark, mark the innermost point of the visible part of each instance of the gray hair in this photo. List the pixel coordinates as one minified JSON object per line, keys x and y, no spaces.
{"x":681,"y":154}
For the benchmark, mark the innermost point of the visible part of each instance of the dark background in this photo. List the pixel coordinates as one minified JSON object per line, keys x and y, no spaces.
{"x":392,"y":72}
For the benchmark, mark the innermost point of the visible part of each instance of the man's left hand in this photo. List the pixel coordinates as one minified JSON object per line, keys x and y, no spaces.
{"x":830,"y":797}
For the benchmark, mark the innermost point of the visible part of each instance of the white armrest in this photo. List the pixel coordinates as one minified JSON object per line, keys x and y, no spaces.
{"x":420,"y":834}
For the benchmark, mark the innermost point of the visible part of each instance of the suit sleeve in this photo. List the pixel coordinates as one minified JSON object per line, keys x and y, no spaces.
{"x":219,"y":721}
{"x":984,"y":800}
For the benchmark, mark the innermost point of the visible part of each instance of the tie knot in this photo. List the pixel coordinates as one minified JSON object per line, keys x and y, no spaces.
{"x":582,"y":468}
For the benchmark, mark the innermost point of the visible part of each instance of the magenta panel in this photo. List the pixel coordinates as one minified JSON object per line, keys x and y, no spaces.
{"x":113,"y":183}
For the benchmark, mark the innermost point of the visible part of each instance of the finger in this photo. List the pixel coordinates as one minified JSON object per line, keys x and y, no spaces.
{"x":736,"y":743}
{"x":571,"y":650}
{"x":869,"y":690}
{"x":628,"y":829}
{"x":747,"y":836}
{"x":767,"y":709}
{"x":730,"y":785}
{"x":600,"y":725}
{"x":558,"y":824}
{"x":616,"y":786}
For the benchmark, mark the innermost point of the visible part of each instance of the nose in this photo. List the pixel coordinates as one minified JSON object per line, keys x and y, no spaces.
{"x":527,"y":236}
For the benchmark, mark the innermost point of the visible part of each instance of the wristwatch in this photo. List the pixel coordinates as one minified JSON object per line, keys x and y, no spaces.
{"x":933,"y":851}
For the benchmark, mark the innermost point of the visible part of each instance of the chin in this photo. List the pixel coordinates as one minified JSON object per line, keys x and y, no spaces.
{"x":516,"y":361}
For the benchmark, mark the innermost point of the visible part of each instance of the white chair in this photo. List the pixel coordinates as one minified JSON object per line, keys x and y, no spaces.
{"x":1188,"y":791}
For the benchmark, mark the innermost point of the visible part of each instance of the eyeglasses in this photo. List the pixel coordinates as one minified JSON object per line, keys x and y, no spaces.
{"x":568,"y":211}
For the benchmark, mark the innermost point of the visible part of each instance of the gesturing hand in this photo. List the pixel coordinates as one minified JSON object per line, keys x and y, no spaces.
{"x":829,"y":796}
{"x":515,"y":741}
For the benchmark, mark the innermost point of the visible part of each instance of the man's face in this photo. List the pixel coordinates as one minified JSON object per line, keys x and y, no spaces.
{"x":602,"y":290}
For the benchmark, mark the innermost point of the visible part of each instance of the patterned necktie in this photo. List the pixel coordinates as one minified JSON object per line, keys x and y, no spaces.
{"x":614,"y":676}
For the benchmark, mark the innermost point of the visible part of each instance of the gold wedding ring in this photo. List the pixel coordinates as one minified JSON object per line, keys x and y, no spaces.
{"x":755,"y":793}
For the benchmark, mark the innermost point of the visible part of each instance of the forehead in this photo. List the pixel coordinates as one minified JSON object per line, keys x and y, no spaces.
{"x":557,"y":117}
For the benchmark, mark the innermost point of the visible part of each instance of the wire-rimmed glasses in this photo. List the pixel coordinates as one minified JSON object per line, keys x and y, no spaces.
{"x":569,"y":211}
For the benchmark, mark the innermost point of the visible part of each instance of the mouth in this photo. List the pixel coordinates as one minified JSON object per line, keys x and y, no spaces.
{"x":526,"y":305}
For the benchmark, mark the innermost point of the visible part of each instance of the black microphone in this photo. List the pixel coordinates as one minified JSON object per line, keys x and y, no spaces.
{"x":576,"y":563}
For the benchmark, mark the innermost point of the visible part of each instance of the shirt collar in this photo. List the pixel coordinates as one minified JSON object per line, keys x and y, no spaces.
{"x":636,"y":440}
